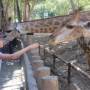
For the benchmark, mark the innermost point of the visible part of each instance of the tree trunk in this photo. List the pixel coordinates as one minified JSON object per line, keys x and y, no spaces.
{"x":1,"y":16}
{"x":72,"y":4}
{"x":26,"y":14}
{"x":18,"y":11}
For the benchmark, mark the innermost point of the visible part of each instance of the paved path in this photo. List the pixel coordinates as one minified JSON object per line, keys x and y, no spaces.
{"x":11,"y":76}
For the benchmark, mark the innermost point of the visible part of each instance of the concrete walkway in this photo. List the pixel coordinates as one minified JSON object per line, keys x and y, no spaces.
{"x":11,"y":76}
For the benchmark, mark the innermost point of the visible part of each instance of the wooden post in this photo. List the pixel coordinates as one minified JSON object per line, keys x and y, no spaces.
{"x":49,"y":83}
{"x":37,"y":63}
{"x":41,"y":72}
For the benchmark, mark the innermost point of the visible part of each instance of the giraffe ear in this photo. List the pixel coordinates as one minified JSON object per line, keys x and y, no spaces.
{"x":76,"y":16}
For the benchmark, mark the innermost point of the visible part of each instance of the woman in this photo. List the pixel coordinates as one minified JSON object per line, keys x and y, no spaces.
{"x":9,"y":37}
{"x":17,"y":54}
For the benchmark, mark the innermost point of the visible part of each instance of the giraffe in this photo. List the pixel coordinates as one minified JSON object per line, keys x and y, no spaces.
{"x":74,"y":30}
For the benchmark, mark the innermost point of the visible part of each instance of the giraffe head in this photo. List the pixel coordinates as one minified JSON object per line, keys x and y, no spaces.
{"x":70,"y":30}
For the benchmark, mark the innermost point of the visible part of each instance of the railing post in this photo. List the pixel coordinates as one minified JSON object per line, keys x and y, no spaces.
{"x":69,"y":73}
{"x":54,"y":62}
{"x":39,"y":49}
{"x":44,"y":54}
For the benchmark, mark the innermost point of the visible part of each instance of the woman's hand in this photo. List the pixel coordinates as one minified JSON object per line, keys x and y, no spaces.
{"x":35,"y":45}
{"x":1,"y":43}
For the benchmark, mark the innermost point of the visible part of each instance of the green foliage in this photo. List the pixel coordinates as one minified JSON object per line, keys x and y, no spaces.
{"x":57,"y":7}
{"x":85,"y":4}
{"x":38,"y":8}
{"x":52,"y":7}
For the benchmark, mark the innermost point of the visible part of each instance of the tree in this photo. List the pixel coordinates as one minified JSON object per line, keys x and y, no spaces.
{"x":2,"y":17}
{"x":28,"y":8}
{"x":18,"y":11}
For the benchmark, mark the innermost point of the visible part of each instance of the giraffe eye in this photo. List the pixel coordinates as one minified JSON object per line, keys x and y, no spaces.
{"x":70,"y":26}
{"x":8,"y":31}
{"x":51,"y":36}
{"x":88,"y":24}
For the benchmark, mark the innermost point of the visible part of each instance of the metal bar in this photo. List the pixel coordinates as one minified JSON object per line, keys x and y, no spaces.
{"x":80,"y":70}
{"x":39,"y":49}
{"x":69,"y":73}
{"x":54,"y":62}
{"x":61,"y":59}
{"x":44,"y":54}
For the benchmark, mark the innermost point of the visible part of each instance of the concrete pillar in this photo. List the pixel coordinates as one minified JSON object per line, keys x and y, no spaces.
{"x":35,"y":51}
{"x":41,"y":72}
{"x":49,"y":83}
{"x":36,"y":57}
{"x":37,"y":63}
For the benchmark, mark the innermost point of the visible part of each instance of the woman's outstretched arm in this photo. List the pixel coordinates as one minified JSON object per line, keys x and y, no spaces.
{"x":17,"y":54}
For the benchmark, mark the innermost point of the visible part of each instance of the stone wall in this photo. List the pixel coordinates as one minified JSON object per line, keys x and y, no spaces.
{"x":49,"y":25}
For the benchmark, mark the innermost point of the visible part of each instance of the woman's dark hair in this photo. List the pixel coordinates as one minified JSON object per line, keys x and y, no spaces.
{"x":9,"y":19}
{"x":0,"y":30}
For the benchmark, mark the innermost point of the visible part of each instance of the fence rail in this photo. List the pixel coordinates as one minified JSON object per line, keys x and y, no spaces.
{"x":70,"y":64}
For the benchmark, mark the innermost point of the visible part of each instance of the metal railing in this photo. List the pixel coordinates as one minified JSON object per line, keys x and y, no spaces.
{"x":70,"y":64}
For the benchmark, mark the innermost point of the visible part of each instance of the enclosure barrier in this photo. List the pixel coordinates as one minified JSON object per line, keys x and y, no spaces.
{"x":41,"y":71}
{"x":30,"y":82}
{"x":49,"y":83}
{"x":35,"y":71}
{"x":69,"y":64}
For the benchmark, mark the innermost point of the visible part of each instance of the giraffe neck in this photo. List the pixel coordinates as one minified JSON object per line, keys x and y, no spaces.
{"x":83,"y":44}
